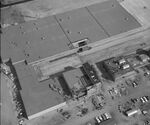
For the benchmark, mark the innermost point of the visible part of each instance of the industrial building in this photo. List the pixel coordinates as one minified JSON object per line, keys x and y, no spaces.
{"x":75,"y":82}
{"x":79,"y":80}
{"x":124,"y":65}
{"x":58,"y":35}
{"x":117,"y":67}
{"x":34,"y":98}
{"x":33,"y":48}
{"x":138,"y":60}
{"x":37,"y":98}
{"x":33,"y":40}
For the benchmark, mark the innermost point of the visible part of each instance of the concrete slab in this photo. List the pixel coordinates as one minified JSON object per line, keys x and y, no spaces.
{"x":113,"y":17}
{"x":79,"y":24}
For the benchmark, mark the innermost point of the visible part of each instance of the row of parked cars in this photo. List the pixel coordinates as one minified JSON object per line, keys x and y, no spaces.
{"x":143,"y":99}
{"x":103,"y":117}
{"x":101,"y":120}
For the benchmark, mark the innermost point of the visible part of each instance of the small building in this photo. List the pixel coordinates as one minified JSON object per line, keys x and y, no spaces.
{"x":132,"y":112}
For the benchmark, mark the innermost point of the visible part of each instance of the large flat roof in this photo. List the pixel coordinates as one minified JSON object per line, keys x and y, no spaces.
{"x":33,"y":40}
{"x":113,"y":17}
{"x":79,"y":24}
{"x":52,"y":35}
{"x":36,"y":96}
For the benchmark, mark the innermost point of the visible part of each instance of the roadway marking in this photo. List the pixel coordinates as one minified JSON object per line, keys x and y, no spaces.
{"x":18,"y":62}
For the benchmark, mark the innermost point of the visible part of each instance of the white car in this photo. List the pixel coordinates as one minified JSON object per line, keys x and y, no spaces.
{"x":100,"y":117}
{"x":108,"y":116}
{"x":144,"y":99}
{"x":97,"y":120}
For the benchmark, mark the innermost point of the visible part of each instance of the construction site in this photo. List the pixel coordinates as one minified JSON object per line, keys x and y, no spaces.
{"x":75,"y":62}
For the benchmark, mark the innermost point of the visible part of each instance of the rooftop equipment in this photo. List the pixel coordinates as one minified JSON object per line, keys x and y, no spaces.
{"x":126,"y":66}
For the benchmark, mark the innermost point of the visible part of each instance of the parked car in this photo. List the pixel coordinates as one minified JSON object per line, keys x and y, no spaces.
{"x":144,"y":99}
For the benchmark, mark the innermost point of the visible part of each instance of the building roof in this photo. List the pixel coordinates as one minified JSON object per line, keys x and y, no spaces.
{"x":36,"y":96}
{"x":46,"y":37}
{"x":115,"y":70}
{"x":113,"y":17}
{"x":73,"y":79}
{"x":33,"y":40}
{"x":79,"y":24}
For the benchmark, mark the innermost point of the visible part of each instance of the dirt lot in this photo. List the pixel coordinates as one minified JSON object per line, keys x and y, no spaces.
{"x":7,"y":113}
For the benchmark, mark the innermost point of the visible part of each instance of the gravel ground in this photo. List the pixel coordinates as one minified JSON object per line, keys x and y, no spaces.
{"x":7,"y":112}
